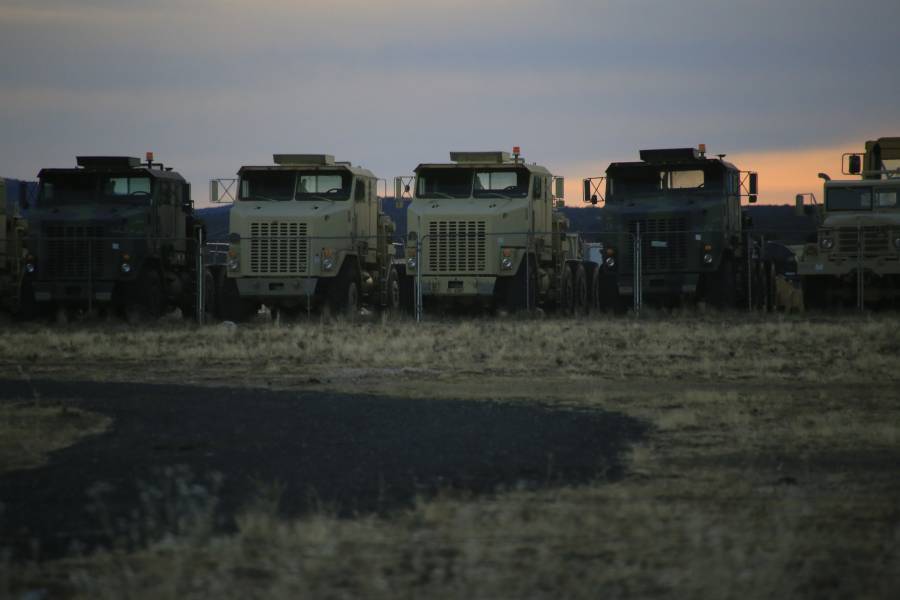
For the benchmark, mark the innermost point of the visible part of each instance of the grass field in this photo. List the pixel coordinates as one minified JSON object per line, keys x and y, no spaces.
{"x":769,"y":470}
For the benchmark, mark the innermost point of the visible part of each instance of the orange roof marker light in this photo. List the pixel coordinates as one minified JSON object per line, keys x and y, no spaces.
{"x":702,"y":149}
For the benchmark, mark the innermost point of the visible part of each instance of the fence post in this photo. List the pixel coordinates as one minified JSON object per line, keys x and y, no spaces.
{"x":638,"y":267}
{"x":90,"y":244}
{"x":750,"y":271}
{"x":200,"y":277}
{"x":860,"y":249}
{"x":418,"y":286}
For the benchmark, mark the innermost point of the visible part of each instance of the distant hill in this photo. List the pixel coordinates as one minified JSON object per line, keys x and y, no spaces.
{"x":778,"y":222}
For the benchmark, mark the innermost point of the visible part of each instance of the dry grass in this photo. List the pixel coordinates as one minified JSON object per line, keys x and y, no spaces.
{"x":770,"y":470}
{"x":30,"y":430}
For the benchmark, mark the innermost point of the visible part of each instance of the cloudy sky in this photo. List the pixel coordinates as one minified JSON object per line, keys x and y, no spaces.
{"x":782,"y":87}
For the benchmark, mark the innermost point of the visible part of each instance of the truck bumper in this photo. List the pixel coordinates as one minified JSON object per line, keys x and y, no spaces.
{"x":73,"y":291}
{"x":276,"y":287}
{"x":846,"y":266}
{"x":661,"y":284}
{"x":458,"y":286}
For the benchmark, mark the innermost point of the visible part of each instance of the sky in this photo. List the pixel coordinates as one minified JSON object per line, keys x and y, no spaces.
{"x":781,"y":87}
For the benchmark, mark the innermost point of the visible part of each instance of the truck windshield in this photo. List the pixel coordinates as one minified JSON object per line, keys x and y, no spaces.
{"x":493,"y":184}
{"x":444,"y":183}
{"x":630,"y":182}
{"x":281,"y":186}
{"x":88,"y":188}
{"x":848,"y":198}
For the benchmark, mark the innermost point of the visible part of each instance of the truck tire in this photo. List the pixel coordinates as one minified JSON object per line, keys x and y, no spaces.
{"x":393,"y":296}
{"x":582,"y":297}
{"x":231,"y":306}
{"x":144,"y":300}
{"x":521,"y":290}
{"x":344,"y":291}
{"x":605,"y":292}
{"x":721,"y":291}
{"x":407,"y":293}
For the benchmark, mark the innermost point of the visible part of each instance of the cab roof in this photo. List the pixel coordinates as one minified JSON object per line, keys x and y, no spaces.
{"x":484,"y":160}
{"x":681,"y":157}
{"x":308,"y":162}
{"x":117,"y":165}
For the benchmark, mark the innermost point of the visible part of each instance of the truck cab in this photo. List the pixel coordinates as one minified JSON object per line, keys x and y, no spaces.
{"x":308,"y":231}
{"x":116,"y":231}
{"x":856,"y":254}
{"x":484,"y":229}
{"x":684,"y":209}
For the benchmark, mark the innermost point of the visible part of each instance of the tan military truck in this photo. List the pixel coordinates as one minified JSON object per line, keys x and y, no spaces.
{"x":14,"y":264}
{"x":855,"y":259}
{"x":307,"y":232}
{"x":485,"y":229}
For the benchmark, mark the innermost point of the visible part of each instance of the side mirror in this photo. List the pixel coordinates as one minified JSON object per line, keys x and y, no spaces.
{"x":754,"y":186}
{"x":23,"y":196}
{"x":854,"y":164}
{"x":213,"y":191}
{"x":751,"y":199}
{"x":586,"y":197}
{"x":798,"y":206}
{"x":594,"y":200}
{"x":187,"y":203}
{"x":560,"y":187}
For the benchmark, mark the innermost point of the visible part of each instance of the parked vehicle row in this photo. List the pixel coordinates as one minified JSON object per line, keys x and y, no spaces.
{"x":308,"y":232}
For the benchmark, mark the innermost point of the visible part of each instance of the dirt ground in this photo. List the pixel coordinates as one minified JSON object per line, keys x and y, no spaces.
{"x":677,"y":456}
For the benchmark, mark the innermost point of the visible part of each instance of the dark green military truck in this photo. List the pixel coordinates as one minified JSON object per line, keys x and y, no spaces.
{"x":114,"y":232}
{"x":675,"y":217}
{"x":13,"y":254}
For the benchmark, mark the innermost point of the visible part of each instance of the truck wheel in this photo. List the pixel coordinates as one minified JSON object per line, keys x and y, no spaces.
{"x":345,"y":291}
{"x":814,"y":292}
{"x":393,"y":291}
{"x":407,"y":293}
{"x":605,"y":287}
{"x":231,"y":306}
{"x":28,"y":308}
{"x":721,"y":292}
{"x":582,"y":298}
{"x":145,"y":298}
{"x":521,"y":290}
{"x":567,"y":292}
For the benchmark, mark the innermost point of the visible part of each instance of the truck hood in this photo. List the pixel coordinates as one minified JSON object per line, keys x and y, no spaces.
{"x":867,"y":219}
{"x":293,"y":211}
{"x":463,"y":208}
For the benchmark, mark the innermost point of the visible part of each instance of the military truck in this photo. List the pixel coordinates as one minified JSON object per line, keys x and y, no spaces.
{"x":13,"y":255}
{"x":308,"y":232}
{"x":116,"y":233}
{"x":685,"y":208}
{"x":855,"y":258}
{"x":485,"y":229}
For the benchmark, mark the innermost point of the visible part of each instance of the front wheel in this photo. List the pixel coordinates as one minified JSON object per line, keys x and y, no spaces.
{"x":582,"y":296}
{"x":344,"y":291}
{"x":567,"y":291}
{"x":393,"y":292}
{"x":145,"y":301}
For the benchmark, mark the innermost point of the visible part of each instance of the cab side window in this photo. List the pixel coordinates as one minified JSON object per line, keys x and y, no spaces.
{"x":360,"y":194}
{"x":538,"y":188}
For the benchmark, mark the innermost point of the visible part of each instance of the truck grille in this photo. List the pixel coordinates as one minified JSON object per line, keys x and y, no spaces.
{"x":875,"y":242}
{"x":279,"y":248}
{"x":73,"y":251}
{"x":664,"y":244}
{"x":456,"y":247}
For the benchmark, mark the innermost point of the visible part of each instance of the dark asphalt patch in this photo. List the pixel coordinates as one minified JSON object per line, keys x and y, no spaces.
{"x":347,"y":453}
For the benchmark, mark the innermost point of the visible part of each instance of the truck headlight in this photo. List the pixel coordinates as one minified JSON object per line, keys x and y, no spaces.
{"x":707,"y":258}
{"x":29,"y":267}
{"x":327,"y":264}
{"x":897,"y":242}
{"x":610,"y":261}
{"x":827,"y":243}
{"x":506,"y":263}
{"x":234,"y":263}
{"x":125,"y":267}
{"x":411,"y":262}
